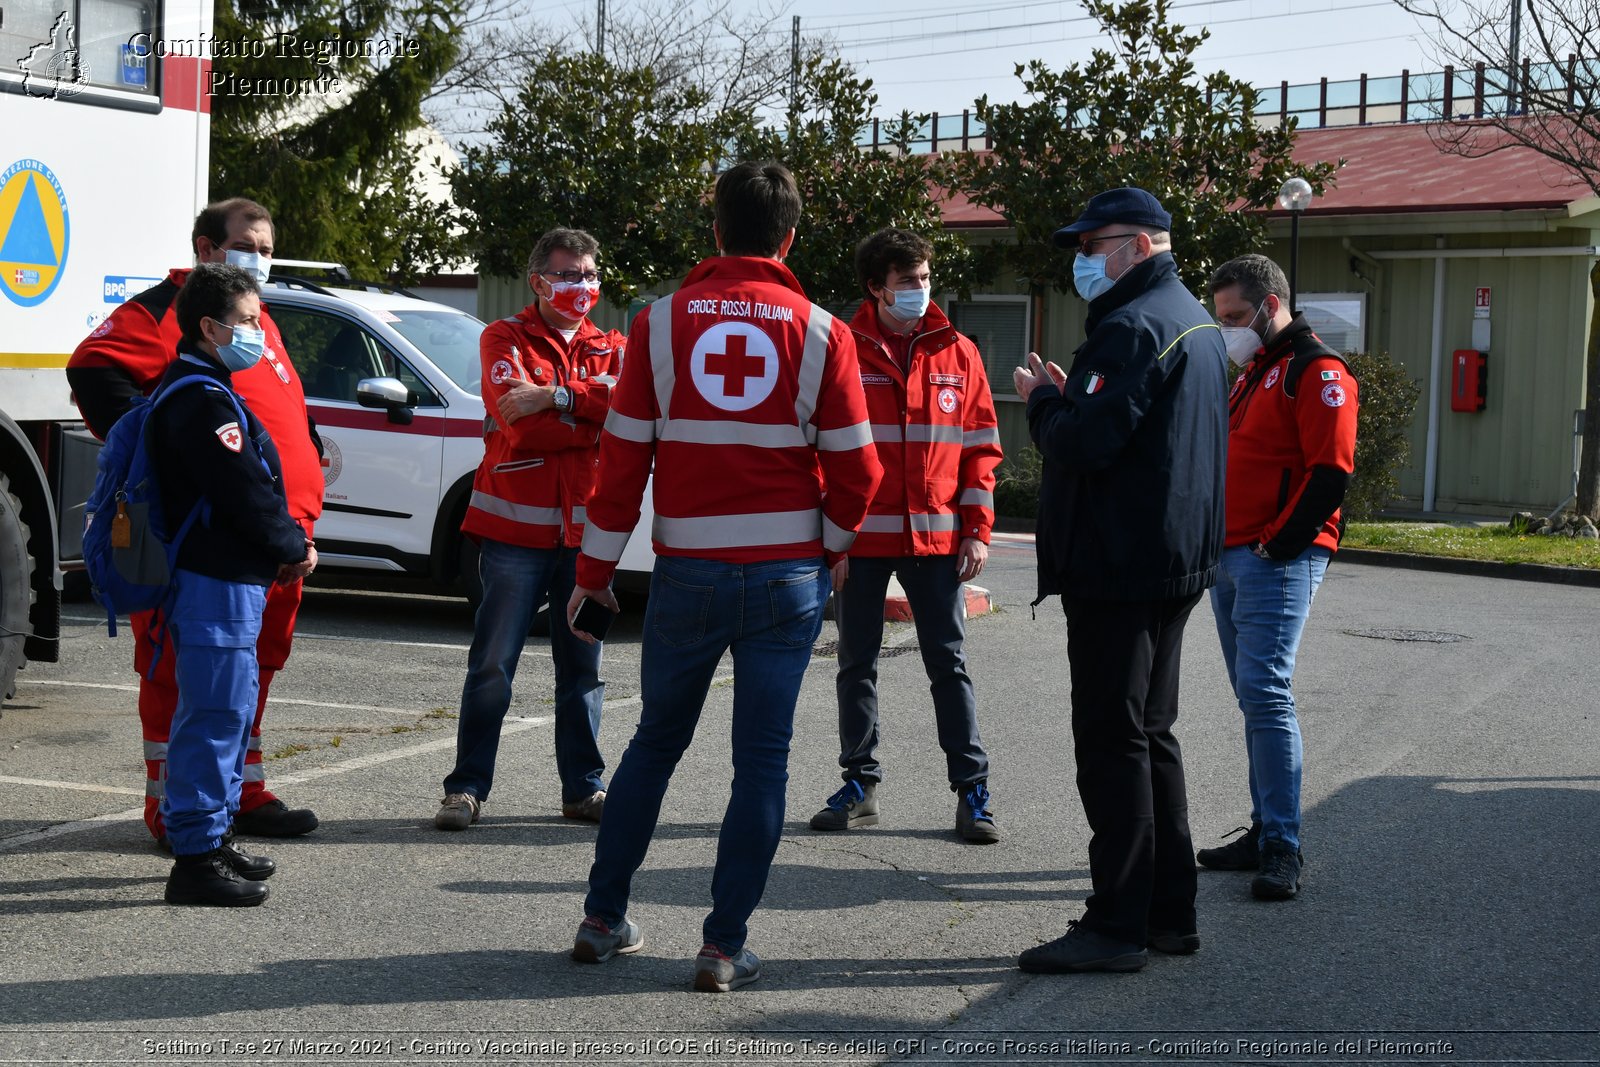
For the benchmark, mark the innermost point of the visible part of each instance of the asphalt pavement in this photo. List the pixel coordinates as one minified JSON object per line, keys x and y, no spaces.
{"x":1448,"y":911}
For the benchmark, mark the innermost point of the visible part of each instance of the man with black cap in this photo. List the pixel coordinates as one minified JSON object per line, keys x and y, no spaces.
{"x":1130,"y":529}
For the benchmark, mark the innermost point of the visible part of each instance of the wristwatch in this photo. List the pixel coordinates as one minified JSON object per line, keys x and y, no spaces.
{"x":563,"y":399}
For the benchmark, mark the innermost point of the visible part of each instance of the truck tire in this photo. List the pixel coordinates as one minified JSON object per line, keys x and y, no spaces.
{"x":16,"y":589}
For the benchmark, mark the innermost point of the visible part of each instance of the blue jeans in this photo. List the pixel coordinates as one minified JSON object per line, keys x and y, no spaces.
{"x":769,"y":614}
{"x":516,"y":581}
{"x":1261,"y":607}
{"x":212,"y":628}
{"x":933,"y":589}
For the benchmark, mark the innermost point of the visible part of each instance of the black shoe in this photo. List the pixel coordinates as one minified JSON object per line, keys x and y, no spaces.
{"x":1241,"y":855}
{"x":1279,"y":876}
{"x":1172,"y":942}
{"x":208,"y":880}
{"x":855,"y":804}
{"x":275,"y":819}
{"x":1081,"y":949}
{"x":246,"y":866}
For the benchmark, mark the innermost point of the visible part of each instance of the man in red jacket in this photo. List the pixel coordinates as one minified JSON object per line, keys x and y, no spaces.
{"x":126,"y":356}
{"x":747,"y":398}
{"x":548,"y":373}
{"x":933,"y":423}
{"x":1291,"y":451}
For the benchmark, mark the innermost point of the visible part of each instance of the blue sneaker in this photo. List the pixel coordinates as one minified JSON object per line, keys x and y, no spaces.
{"x":717,"y":972}
{"x":598,"y":942}
{"x":974,"y":820}
{"x":854,"y":805}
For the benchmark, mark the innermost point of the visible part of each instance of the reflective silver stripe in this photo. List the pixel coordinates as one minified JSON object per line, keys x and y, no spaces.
{"x":813,"y":360}
{"x":732,"y":433}
{"x":933,"y":523}
{"x":640,"y":431}
{"x":661,"y":352}
{"x":154,"y":788}
{"x":580,"y":515}
{"x":738,"y":531}
{"x":988,"y":436}
{"x":836,"y":538}
{"x":978,"y":497}
{"x":603,"y":544}
{"x":155,"y":750}
{"x":525,"y":513}
{"x":883,"y":524}
{"x":255,"y":772}
{"x":489,"y":425}
{"x":605,"y":379}
{"x":845,"y":438}
{"x":254,"y":745}
{"x":922,"y":432}
{"x":887,"y":432}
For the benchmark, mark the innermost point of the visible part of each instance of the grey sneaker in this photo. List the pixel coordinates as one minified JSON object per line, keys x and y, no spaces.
{"x":457,"y":812}
{"x":974,"y":820}
{"x":589,"y":809}
{"x":854,"y":805}
{"x":597,"y":942}
{"x":717,"y":972}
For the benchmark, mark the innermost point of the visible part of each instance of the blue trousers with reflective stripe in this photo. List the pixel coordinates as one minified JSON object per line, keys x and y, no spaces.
{"x":212,"y":628}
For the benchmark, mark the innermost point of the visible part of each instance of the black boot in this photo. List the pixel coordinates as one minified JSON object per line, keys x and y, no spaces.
{"x":275,"y":819}
{"x":209,"y":880}
{"x":252,"y":868}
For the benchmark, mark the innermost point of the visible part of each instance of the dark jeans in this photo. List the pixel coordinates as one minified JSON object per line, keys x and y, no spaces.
{"x":516,"y":580}
{"x":769,"y":615}
{"x":1124,"y":658}
{"x":933,"y":589}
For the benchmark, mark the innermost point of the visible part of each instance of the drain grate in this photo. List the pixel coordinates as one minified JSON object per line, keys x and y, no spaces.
{"x":1432,"y":637}
{"x":829,"y":649}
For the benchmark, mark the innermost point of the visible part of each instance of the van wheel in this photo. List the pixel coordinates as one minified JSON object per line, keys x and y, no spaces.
{"x":16,"y":588}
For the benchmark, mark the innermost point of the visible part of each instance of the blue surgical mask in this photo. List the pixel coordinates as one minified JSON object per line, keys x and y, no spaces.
{"x":910,"y":304}
{"x":257,"y":264}
{"x":245,"y":350}
{"x":1089,"y":272}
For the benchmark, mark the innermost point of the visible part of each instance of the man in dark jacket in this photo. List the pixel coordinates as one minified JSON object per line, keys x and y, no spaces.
{"x":1134,"y":440}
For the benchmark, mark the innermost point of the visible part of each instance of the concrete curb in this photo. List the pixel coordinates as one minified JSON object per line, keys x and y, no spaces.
{"x":1525,"y":572}
{"x":896,"y":608}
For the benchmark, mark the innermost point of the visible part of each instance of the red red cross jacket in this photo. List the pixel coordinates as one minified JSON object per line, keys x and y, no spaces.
{"x":126,"y":355}
{"x":1291,"y":445}
{"x":748,"y":399}
{"x":935,"y":430}
{"x":537,"y":473}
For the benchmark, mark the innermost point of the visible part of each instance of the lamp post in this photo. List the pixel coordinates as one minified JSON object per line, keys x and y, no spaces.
{"x":1294,"y":197}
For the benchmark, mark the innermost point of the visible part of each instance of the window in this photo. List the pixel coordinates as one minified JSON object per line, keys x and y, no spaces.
{"x":448,"y":338}
{"x":1340,"y":319}
{"x":999,"y":326}
{"x":334,"y":355}
{"x":76,"y":49}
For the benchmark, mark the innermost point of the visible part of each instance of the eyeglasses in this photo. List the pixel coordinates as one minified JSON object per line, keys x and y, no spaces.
{"x":571,"y":277}
{"x":1087,"y":245}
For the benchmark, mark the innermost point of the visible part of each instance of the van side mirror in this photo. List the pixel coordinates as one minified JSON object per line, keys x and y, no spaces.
{"x":387,"y":394}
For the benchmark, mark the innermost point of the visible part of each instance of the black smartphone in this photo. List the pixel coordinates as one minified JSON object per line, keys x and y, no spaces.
{"x":593,"y":618}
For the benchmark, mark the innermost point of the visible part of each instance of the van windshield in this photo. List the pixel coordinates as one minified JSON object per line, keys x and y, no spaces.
{"x":448,"y":338}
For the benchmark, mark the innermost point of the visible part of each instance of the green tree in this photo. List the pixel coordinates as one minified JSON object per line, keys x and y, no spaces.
{"x":1135,"y":113}
{"x":1388,"y":398}
{"x":849,"y":192}
{"x":606,"y":149}
{"x":334,"y":165}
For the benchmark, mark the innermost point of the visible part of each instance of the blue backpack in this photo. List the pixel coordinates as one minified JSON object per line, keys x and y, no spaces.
{"x":129,"y":548}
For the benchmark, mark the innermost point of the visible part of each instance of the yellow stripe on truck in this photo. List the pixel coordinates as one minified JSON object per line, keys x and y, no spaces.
{"x":34,"y":360}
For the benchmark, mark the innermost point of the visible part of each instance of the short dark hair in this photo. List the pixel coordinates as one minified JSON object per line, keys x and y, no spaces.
{"x":891,"y":248}
{"x":757,"y":204}
{"x":213,"y":220}
{"x":211,"y":291}
{"x":1255,"y":275}
{"x":579,"y":242}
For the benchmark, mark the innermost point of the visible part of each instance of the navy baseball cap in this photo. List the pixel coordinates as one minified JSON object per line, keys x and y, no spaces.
{"x":1130,"y":206}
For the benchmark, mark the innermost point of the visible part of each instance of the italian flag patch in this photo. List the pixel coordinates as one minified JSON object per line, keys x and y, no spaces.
{"x":1093,"y":381}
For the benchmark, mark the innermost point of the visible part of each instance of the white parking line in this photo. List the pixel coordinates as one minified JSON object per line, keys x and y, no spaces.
{"x":270,"y":700}
{"x":72,"y":785}
{"x":513,"y":725}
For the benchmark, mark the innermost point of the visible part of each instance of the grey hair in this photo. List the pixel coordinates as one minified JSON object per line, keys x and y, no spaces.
{"x":1255,"y":275}
{"x":579,"y":242}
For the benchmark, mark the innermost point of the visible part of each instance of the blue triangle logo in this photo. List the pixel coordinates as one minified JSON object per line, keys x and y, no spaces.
{"x":28,"y":239}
